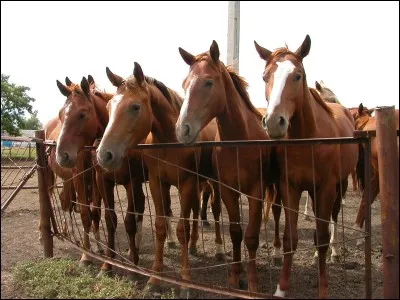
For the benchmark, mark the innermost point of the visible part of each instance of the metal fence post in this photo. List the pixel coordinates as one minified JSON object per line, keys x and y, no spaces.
{"x":389,"y":195}
{"x":44,"y":199}
{"x":367,"y":196}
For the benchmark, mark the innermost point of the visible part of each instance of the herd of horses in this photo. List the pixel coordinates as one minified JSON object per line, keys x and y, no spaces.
{"x":215,"y":107}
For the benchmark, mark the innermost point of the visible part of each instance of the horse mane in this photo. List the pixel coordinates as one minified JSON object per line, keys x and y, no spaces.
{"x":361,"y":121}
{"x":238,"y":81}
{"x":174,"y":99}
{"x":319,"y":100}
{"x":241,"y":86}
{"x":103,"y":95}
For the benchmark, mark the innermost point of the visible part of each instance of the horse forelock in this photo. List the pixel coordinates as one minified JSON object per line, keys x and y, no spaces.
{"x":172,"y":97}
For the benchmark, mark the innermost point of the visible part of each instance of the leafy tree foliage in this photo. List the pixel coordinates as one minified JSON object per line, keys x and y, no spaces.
{"x":32,"y":123}
{"x":14,"y":103}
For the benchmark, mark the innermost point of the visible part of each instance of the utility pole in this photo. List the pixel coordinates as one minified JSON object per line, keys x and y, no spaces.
{"x":233,"y":34}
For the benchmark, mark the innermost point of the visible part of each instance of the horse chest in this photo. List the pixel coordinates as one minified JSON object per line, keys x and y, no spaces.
{"x":169,"y":164}
{"x":305,"y":165}
{"x":239,"y":166}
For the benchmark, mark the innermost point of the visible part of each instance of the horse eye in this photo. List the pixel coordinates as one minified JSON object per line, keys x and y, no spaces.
{"x":208,"y":83}
{"x":298,"y":77}
{"x":82,"y":116}
{"x":135,"y":107}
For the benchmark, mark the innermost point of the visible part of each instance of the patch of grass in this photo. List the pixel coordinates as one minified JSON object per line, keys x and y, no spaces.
{"x":18,"y":153}
{"x":62,"y":278}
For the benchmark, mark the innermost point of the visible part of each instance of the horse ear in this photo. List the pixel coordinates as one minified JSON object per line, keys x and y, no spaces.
{"x":115,"y":79}
{"x":90,"y":79}
{"x":138,"y":73}
{"x":67,"y":81}
{"x":187,"y":57}
{"x":370,"y":111}
{"x":63,"y":89}
{"x":85,"y":86}
{"x":304,"y":49}
{"x":318,"y":86}
{"x":360,"y":109}
{"x":264,"y":53}
{"x":214,"y":51}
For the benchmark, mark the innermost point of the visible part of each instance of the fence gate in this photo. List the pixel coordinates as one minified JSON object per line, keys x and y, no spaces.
{"x":18,"y":164}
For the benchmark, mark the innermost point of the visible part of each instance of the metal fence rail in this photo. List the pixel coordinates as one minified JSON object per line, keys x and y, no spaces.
{"x":17,"y":166}
{"x":75,"y":236}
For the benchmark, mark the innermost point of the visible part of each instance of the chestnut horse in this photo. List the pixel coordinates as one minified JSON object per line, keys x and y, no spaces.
{"x":214,"y":91}
{"x":84,"y":120}
{"x":296,"y":112}
{"x":366,"y":122}
{"x":328,"y":96}
{"x":144,"y":108}
{"x":76,"y":185}
{"x":79,"y":163}
{"x":67,"y":195}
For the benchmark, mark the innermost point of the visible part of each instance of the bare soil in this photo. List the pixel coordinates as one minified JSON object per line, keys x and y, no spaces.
{"x":19,"y":242}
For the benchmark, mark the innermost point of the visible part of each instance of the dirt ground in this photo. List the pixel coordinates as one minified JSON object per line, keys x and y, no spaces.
{"x":19,"y":242}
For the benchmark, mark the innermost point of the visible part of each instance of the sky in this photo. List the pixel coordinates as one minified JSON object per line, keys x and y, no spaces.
{"x":354,"y":45}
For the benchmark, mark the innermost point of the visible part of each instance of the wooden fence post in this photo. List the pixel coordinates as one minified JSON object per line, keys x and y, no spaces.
{"x":44,"y":199}
{"x":388,"y":158}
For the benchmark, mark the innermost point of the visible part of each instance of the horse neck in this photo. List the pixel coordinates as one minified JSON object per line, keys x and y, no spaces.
{"x":364,"y":121}
{"x":102,"y":115}
{"x":303,"y":123}
{"x":164,"y":117}
{"x":233,"y":121}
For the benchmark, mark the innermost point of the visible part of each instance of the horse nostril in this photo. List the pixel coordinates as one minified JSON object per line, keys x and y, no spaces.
{"x":66,"y":156}
{"x":281,"y":121}
{"x":264,"y":121}
{"x":109,"y":156}
{"x":186,"y":129}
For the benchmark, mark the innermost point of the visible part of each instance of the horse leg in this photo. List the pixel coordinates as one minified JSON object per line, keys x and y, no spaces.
{"x":206,"y":193}
{"x":354,"y":180}
{"x":168,"y":212}
{"x":374,"y":184}
{"x":230,"y":199}
{"x":194,"y":237}
{"x":189,"y":200}
{"x":290,"y":199}
{"x":276,"y":211}
{"x":252,"y":235}
{"x":130,"y":221}
{"x":159,"y":191}
{"x":85,"y":216}
{"x":216,"y":210}
{"x":96,"y":212}
{"x":139,"y":199}
{"x":326,"y":195}
{"x":106,"y":190}
{"x":340,"y":191}
{"x":307,"y":212}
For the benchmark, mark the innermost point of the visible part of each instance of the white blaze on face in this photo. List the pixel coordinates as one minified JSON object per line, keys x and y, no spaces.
{"x":67,"y":109}
{"x":185,"y":104}
{"x":281,"y":74}
{"x":115,"y":101}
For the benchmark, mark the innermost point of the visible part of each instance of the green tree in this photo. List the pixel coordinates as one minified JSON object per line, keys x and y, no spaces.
{"x":32,"y":123}
{"x":14,"y":103}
